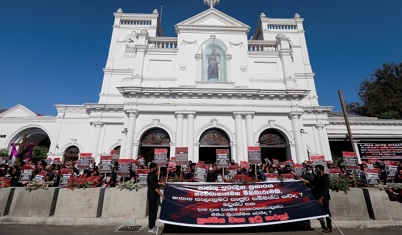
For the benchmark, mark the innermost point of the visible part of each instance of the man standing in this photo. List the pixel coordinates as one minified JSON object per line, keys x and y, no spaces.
{"x":321,"y":193}
{"x":153,"y":197}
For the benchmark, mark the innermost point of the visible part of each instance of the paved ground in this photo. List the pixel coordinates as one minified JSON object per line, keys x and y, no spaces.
{"x":13,"y":229}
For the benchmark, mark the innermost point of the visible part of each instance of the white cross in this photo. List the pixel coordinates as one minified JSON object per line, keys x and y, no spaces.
{"x":211,"y":3}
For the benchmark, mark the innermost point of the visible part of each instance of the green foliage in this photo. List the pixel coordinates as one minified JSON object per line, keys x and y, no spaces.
{"x":39,"y":153}
{"x":337,"y":183}
{"x":34,"y":185}
{"x":381,"y":94}
{"x":3,"y":153}
{"x":130,"y":185}
{"x":393,"y":186}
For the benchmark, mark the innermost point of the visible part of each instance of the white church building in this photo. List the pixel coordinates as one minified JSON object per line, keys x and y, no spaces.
{"x":209,"y":88}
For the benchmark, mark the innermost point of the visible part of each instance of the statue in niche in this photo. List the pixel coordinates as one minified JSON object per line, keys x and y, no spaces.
{"x":213,"y":66}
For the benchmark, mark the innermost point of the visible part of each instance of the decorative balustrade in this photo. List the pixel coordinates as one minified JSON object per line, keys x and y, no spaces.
{"x":163,"y":42}
{"x":258,"y":45}
{"x":282,"y":27}
{"x":136,"y":22}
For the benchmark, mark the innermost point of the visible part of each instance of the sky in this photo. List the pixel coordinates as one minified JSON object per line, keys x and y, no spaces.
{"x":53,"y":51}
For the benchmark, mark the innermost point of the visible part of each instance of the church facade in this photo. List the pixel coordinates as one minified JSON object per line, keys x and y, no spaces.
{"x":208,"y":88}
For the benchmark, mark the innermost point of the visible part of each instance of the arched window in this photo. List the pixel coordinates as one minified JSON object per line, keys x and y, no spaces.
{"x":272,"y":137}
{"x":156,"y":137}
{"x":214,"y":137}
{"x":214,"y":61}
{"x":71,"y":154}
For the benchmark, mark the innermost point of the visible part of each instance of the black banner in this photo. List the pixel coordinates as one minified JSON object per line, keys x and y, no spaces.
{"x":222,"y":205}
{"x":380,"y":151}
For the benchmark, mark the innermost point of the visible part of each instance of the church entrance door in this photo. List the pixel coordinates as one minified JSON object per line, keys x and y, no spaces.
{"x":210,"y":141}
{"x":151,"y":140}
{"x":274,"y":145}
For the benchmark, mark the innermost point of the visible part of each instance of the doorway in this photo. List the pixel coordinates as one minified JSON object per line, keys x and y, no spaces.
{"x":210,"y":141}
{"x":274,"y":146}
{"x":151,"y":140}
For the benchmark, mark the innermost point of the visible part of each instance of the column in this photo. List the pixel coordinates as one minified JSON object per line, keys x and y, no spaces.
{"x":179,"y":130}
{"x":95,"y":140}
{"x":249,"y":130}
{"x":321,"y":138}
{"x":128,"y":147}
{"x":297,"y":137}
{"x":239,"y":137}
{"x":190,"y":136}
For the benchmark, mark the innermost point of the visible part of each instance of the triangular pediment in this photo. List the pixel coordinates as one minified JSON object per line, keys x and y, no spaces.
{"x":17,"y":111}
{"x":213,"y":18}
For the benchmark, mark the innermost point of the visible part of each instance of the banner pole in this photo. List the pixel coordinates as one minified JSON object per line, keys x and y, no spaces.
{"x":159,"y":172}
{"x":336,"y":225}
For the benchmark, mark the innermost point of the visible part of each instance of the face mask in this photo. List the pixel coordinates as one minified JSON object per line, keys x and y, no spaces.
{"x":259,"y":170}
{"x":210,"y":169}
{"x":309,"y":172}
{"x":275,"y":172}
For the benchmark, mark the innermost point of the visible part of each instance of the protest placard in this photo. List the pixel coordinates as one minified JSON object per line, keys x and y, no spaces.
{"x":26,"y":174}
{"x":84,"y":161}
{"x":40,"y":176}
{"x":254,"y":155}
{"x":65,"y":176}
{"x":298,"y":169}
{"x":124,"y":167}
{"x":244,"y":164}
{"x":200,"y":173}
{"x":105,"y":165}
{"x":271,"y":177}
{"x":319,"y":160}
{"x":181,"y":156}
{"x":160,"y":157}
{"x":391,"y":169}
{"x":222,"y":158}
{"x":142,"y":177}
{"x":115,"y":155}
{"x":372,"y":176}
{"x":350,"y":160}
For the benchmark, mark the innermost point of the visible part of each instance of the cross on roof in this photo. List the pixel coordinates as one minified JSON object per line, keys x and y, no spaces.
{"x":211,"y":3}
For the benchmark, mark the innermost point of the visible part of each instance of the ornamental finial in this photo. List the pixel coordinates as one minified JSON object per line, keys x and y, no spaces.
{"x":211,"y":3}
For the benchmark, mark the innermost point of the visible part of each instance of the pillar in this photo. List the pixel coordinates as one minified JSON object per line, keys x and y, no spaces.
{"x":239,"y":137}
{"x":249,"y":129}
{"x":128,"y":147}
{"x":297,"y":136}
{"x":179,"y":129}
{"x":95,"y":140}
{"x":190,"y":136}
{"x":323,"y":140}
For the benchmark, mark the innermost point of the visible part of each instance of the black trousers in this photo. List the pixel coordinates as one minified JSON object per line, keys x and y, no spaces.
{"x":325,"y":206}
{"x":152,"y":212}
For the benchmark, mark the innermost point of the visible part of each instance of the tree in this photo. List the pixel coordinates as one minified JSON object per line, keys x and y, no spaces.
{"x":3,"y":153}
{"x":39,"y":153}
{"x":381,"y":94}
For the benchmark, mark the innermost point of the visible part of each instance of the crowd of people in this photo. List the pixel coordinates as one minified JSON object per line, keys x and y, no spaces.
{"x":209,"y":172}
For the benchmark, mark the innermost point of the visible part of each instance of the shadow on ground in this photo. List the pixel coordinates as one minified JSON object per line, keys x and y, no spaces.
{"x":299,"y":226}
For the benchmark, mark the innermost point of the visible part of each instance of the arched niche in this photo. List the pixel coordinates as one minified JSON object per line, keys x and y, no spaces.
{"x":214,"y":67}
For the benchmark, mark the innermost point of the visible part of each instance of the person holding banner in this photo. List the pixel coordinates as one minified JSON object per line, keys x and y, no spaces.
{"x":321,"y":193}
{"x":153,"y":195}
